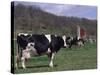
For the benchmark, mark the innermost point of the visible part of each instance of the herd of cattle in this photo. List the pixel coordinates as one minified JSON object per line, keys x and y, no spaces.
{"x":39,"y":44}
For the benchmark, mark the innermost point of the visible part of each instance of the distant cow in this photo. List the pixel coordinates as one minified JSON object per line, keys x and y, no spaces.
{"x":37,"y":45}
{"x":74,"y":41}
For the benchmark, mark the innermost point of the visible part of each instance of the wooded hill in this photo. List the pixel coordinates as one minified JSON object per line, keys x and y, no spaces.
{"x":33,"y":19}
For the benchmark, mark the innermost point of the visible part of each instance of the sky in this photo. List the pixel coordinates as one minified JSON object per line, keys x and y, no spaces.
{"x":81,"y":11}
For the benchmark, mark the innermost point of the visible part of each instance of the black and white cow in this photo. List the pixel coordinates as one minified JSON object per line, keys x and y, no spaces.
{"x":37,"y":45}
{"x":74,"y":41}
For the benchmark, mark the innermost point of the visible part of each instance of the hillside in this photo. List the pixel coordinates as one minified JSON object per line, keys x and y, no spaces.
{"x":33,"y":19}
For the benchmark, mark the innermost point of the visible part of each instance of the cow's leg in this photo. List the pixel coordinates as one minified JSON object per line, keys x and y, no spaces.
{"x":51,"y":59}
{"x":70,"y":45}
{"x":25,"y":55}
{"x":23,"y":59}
{"x":16,"y":61}
{"x":17,"y":58}
{"x":23,"y":62}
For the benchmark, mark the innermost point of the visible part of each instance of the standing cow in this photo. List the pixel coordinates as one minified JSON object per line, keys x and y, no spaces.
{"x":74,"y":41}
{"x":37,"y":45}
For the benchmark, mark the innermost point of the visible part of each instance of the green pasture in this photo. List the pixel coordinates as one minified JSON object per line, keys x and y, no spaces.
{"x":76,"y":58}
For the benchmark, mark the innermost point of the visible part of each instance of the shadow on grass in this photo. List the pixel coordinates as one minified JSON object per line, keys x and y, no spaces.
{"x":37,"y":66}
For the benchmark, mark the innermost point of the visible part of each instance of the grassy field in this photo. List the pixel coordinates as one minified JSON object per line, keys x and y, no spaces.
{"x":77,"y":58}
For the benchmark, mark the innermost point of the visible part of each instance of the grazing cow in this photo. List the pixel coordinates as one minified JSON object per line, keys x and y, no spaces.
{"x":37,"y":45}
{"x":74,"y":41}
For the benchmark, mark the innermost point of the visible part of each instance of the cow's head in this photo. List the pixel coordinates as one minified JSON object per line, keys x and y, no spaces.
{"x":30,"y":45}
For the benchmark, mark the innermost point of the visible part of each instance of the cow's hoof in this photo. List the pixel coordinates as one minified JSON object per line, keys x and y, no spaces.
{"x":24,"y":67}
{"x":50,"y":65}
